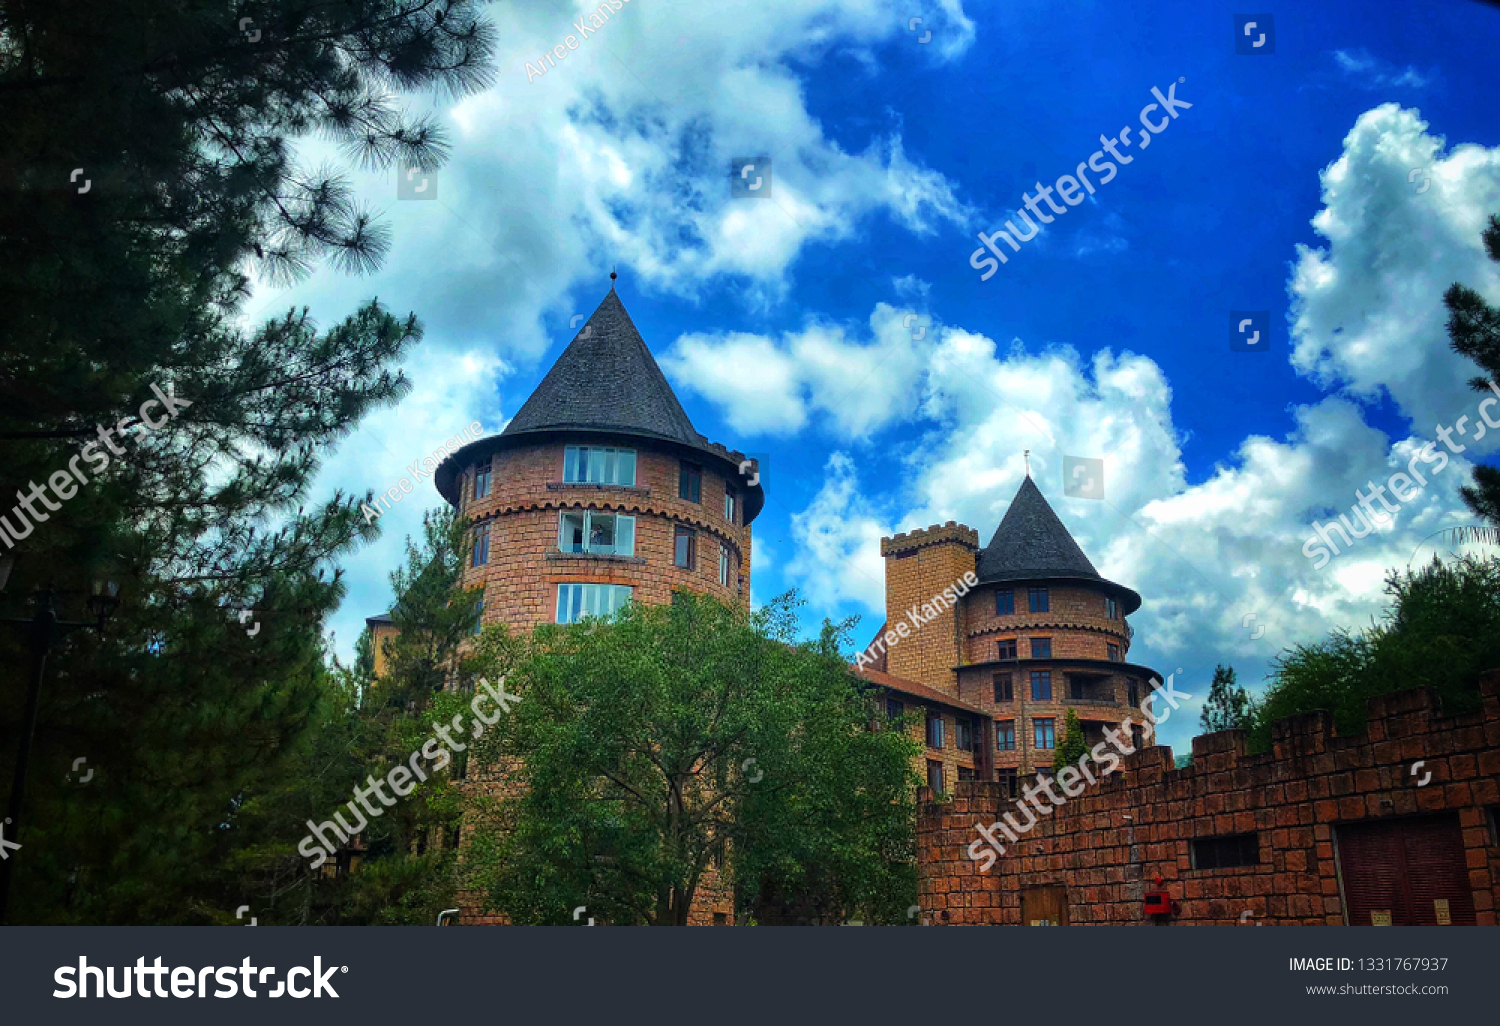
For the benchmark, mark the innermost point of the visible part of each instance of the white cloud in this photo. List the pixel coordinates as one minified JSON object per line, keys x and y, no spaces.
{"x":772,"y":386}
{"x":1376,"y":74}
{"x":1367,"y":310}
{"x":837,"y":540}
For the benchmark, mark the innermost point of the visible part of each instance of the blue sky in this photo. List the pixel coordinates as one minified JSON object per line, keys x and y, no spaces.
{"x":783,"y":322}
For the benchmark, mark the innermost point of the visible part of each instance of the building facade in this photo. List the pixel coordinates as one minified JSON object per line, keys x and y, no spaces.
{"x":1032,"y":632}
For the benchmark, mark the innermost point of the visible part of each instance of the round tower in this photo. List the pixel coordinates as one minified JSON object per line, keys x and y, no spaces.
{"x":1044,"y":633}
{"x":600,"y":492}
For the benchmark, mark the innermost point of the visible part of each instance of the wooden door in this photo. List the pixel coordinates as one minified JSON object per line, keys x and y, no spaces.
{"x":1044,"y":906}
{"x":1405,"y":872}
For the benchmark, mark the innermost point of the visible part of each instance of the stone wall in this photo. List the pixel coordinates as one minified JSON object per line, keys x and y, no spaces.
{"x":1120,"y":836}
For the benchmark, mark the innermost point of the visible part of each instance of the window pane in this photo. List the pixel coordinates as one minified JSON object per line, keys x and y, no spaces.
{"x":1041,"y":685}
{"x":572,"y":533}
{"x":596,"y":466}
{"x":609,"y":467}
{"x":570,"y":463}
{"x":624,"y":536}
{"x":601,"y":533}
{"x":627,"y":468}
{"x":575,"y":606}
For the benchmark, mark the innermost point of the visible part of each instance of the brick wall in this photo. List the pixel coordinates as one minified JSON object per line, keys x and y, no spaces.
{"x":524,"y":508}
{"x":919,"y":565}
{"x":1295,"y":798}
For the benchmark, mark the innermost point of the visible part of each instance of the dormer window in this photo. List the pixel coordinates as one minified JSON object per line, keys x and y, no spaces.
{"x":592,"y":464}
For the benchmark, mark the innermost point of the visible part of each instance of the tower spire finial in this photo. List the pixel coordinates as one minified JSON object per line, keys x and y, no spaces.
{"x":612,"y":277}
{"x":1026,"y":455}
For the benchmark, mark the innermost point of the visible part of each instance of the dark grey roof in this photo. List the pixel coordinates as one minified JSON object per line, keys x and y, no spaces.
{"x":607,"y":380}
{"x":607,"y":383}
{"x":1031,"y":544}
{"x":379,"y":619}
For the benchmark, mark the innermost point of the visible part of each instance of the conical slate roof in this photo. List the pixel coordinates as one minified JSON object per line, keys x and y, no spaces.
{"x":1031,"y":544}
{"x":607,"y":380}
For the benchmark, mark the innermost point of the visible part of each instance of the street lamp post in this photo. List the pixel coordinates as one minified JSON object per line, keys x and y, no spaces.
{"x":43,"y":630}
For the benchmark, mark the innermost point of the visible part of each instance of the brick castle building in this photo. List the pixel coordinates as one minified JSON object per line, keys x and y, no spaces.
{"x":995,"y":673}
{"x":600,"y":492}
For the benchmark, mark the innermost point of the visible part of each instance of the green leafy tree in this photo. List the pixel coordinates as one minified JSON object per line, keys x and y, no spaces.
{"x":1442,"y":630}
{"x":1228,"y":706}
{"x":650,"y":746}
{"x":1474,"y":331}
{"x":1071,"y":746}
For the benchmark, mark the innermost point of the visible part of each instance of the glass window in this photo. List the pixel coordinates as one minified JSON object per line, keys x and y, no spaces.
{"x":1008,"y":781}
{"x":1134,"y":690}
{"x":1038,"y":597}
{"x":1005,"y":602}
{"x":1004,"y":692}
{"x":592,"y":464}
{"x":729,"y":504}
{"x":1041,"y":685}
{"x":935,"y":776}
{"x":1111,"y":609}
{"x":1045,"y":736}
{"x":963,"y":734}
{"x":965,"y":773}
{"x":601,"y":534}
{"x":934,"y":730}
{"x":479,"y":616}
{"x":894,"y":709}
{"x":575,"y":601}
{"x":1041,"y":648}
{"x":1005,"y":735}
{"x":482,"y":481}
{"x":724,"y":565}
{"x":481,"y":554}
{"x":682,"y":549}
{"x":1006,"y":649}
{"x":690,"y":483}
{"x":1114,"y":651}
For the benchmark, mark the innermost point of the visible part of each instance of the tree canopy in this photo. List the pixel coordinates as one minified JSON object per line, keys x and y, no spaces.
{"x":671,"y":746}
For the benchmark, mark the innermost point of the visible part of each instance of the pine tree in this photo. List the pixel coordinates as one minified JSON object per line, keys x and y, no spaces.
{"x":1071,"y":746}
{"x":183,"y":127}
{"x":1474,"y":331}
{"x":1228,"y":706}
